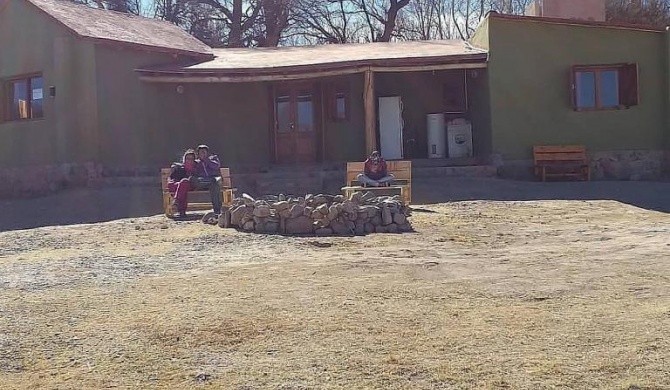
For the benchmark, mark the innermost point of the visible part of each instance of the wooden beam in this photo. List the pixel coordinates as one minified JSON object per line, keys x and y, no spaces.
{"x":245,"y":78}
{"x":370,"y":111}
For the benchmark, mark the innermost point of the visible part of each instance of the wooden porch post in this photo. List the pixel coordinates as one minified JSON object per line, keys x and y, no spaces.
{"x":370,"y":114}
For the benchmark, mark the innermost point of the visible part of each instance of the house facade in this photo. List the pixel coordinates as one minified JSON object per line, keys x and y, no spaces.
{"x":89,"y":93}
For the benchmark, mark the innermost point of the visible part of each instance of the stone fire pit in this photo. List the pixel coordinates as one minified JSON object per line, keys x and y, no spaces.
{"x":321,"y":215}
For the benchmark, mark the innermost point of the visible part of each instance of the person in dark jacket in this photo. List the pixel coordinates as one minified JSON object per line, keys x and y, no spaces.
{"x":208,"y":176}
{"x":179,"y":183}
{"x":375,"y":174}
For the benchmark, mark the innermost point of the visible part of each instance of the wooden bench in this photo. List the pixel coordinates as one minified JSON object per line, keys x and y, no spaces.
{"x":401,"y":170}
{"x":561,"y":161}
{"x":226,"y":188}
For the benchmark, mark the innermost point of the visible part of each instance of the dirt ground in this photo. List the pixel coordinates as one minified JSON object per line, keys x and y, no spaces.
{"x":517,"y":290}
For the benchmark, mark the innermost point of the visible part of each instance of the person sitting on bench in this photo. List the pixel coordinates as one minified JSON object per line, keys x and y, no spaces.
{"x":179,"y":183}
{"x":208,"y":176}
{"x":375,"y":174}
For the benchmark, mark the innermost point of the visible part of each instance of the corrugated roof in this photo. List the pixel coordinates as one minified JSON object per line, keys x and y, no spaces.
{"x":113,"y":26}
{"x":339,"y":55}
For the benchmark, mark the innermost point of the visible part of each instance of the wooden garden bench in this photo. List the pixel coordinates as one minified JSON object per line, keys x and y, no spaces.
{"x":226,"y":188}
{"x":561,"y":161}
{"x":401,"y":170}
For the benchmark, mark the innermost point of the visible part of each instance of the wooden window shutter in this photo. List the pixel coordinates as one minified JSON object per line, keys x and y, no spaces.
{"x":573,"y":89}
{"x":628,"y":85}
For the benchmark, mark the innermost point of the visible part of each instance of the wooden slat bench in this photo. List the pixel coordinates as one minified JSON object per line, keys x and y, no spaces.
{"x":401,"y":170}
{"x":561,"y":161}
{"x":226,"y":188}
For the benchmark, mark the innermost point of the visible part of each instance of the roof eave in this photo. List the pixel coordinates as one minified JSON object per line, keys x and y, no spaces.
{"x":297,"y":69}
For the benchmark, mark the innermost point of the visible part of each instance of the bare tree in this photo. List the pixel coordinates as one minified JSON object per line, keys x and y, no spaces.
{"x":647,"y":12}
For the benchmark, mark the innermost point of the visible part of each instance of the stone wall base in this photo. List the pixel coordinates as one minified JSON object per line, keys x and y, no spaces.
{"x":615,"y":165}
{"x":32,"y":181}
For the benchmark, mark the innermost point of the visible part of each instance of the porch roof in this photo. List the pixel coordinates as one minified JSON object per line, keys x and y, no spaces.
{"x":256,"y":63}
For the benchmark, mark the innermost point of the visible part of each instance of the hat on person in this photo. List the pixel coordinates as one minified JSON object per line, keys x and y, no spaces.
{"x":203,"y":146}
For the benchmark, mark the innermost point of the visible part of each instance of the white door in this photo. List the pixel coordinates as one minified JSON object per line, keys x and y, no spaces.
{"x":390,"y":127}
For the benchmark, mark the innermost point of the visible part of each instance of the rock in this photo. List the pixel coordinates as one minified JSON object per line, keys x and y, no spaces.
{"x":262,"y":211}
{"x":405,"y":227}
{"x":248,"y":226}
{"x":399,"y":219}
{"x":371,"y":210}
{"x":340,"y":228}
{"x":387,"y":217}
{"x":224,"y":219}
{"x":339,"y":199}
{"x":272,"y":227}
{"x":285,"y":213}
{"x":297,"y":210}
{"x":324,"y":232}
{"x":319,"y":200}
{"x":308,"y":211}
{"x":368,"y":196}
{"x":248,"y":200}
{"x":362,"y":216}
{"x":259,"y":227}
{"x":359,"y":230}
{"x":350,"y":225}
{"x":321,"y":223}
{"x":260,"y":221}
{"x":323,"y":209}
{"x":392,"y":228}
{"x":333,"y":212}
{"x":348,"y":207}
{"x":376,"y":220}
{"x":282,"y":197}
{"x":380,"y":229}
{"x":369,"y":227}
{"x":356,"y":198}
{"x":300,"y":225}
{"x":317,"y":216}
{"x":237,"y":214}
{"x":279,"y":206}
{"x":309,"y":197}
{"x":210,"y":218}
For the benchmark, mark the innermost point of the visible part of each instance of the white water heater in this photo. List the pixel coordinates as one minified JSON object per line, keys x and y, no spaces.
{"x":459,"y":136}
{"x":437,"y":137}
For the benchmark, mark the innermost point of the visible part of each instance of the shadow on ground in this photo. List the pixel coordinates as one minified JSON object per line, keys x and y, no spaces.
{"x":100,"y":205}
{"x":647,"y":195}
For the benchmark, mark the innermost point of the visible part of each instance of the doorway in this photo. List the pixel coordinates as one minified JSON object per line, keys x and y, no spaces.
{"x":295,"y":121}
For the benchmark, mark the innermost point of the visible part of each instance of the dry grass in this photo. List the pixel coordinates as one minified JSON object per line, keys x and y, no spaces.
{"x":487,"y":295}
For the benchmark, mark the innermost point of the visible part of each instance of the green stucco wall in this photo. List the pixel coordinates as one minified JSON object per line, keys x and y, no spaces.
{"x":149,"y":124}
{"x":32,"y":42}
{"x":345,"y":140}
{"x":529,"y":79}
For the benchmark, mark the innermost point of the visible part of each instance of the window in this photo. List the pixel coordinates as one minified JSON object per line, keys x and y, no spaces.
{"x":604,"y":87}
{"x":339,"y":102}
{"x":25,"y":98}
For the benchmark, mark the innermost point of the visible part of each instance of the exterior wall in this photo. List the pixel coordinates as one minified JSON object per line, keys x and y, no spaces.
{"x":529,"y":71}
{"x":345,"y":140}
{"x":421,"y":94}
{"x":40,"y":45}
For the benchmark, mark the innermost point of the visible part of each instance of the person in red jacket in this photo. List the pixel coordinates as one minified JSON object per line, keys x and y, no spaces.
{"x":375,"y":174}
{"x":208,"y":176}
{"x":179,"y":183}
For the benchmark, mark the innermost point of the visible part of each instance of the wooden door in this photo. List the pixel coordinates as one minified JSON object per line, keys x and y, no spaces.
{"x":295,"y":130}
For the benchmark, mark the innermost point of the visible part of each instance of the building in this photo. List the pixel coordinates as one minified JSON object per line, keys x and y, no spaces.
{"x":89,"y":93}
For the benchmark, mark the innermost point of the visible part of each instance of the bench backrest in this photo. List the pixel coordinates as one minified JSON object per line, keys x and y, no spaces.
{"x":226,"y":181}
{"x":402,"y":170}
{"x":559,"y":153}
